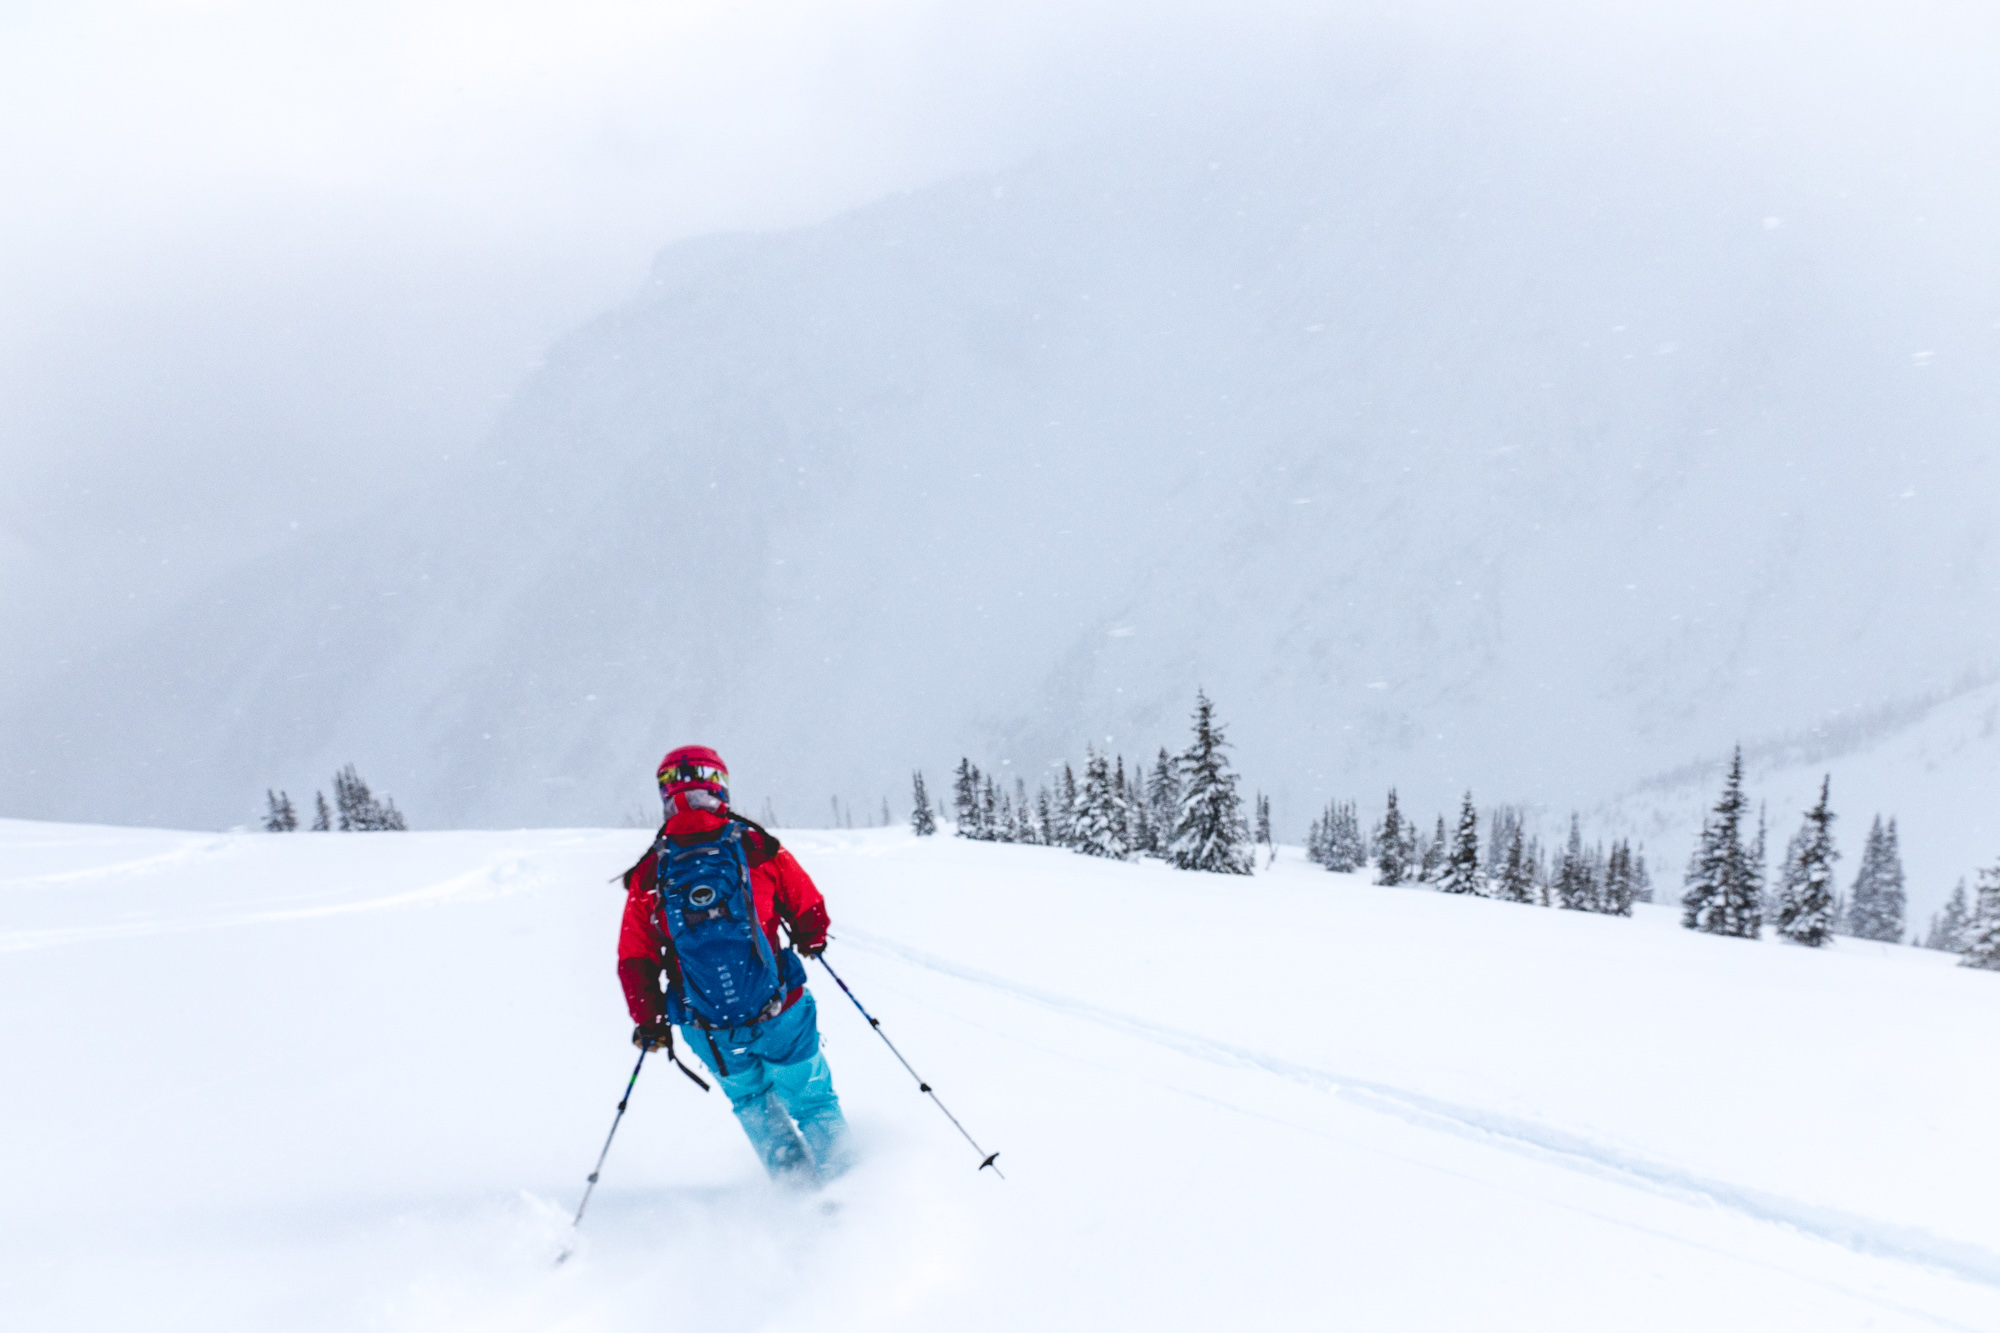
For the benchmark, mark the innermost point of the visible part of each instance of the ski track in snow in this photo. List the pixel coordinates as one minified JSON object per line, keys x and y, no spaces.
{"x":1862,"y":1235}
{"x":498,"y":879}
{"x":1627,"y":1223}
{"x":137,"y":865}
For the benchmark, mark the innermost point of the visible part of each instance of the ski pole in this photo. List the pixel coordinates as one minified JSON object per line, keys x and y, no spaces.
{"x":699,"y":1082}
{"x":923,"y":1087}
{"x":577,"y":1221}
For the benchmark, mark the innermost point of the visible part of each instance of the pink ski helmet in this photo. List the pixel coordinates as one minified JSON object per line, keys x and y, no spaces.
{"x":693,"y":778}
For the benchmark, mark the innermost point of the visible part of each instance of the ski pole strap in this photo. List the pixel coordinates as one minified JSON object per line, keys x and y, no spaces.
{"x":699,"y":1082}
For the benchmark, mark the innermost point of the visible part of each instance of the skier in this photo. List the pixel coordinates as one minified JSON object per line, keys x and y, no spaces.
{"x":699,"y":949}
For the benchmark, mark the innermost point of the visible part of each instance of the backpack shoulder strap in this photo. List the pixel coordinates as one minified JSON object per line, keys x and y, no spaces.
{"x":624,"y":877}
{"x":771,"y":845}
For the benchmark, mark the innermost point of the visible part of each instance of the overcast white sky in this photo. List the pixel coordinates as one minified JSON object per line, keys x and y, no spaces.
{"x":259,"y":259}
{"x":252,"y":251}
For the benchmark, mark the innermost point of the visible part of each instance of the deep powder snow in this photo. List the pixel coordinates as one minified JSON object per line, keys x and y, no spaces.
{"x":322,"y":1082}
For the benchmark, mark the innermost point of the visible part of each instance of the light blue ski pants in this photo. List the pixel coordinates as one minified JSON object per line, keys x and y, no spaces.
{"x":781,"y":1089}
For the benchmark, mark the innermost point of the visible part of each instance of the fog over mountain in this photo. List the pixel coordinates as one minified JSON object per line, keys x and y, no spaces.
{"x":1457,"y":426}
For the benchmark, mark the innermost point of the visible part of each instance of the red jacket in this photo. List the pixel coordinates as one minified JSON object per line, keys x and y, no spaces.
{"x":780,"y":886}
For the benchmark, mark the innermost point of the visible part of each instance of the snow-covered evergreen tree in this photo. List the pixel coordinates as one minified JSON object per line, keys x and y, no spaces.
{"x":1067,"y":798}
{"x":1982,"y":931}
{"x":1431,"y":853}
{"x":1804,"y":896}
{"x":359,"y":810}
{"x":1121,"y":810}
{"x":1094,"y":832}
{"x":1894,"y":903}
{"x":279,"y":816}
{"x":1757,"y":864}
{"x":1003,"y":814}
{"x":1336,"y":840}
{"x":1210,"y":832}
{"x":1620,"y":886}
{"x":1391,"y":850}
{"x":1347,"y":845}
{"x":1501,"y":821}
{"x":990,"y":827}
{"x":1461,"y":866}
{"x":351,"y":799}
{"x":965,"y":800}
{"x":1575,"y":884}
{"x":1721,"y":896}
{"x":1876,"y":904}
{"x":922,"y":822}
{"x":322,"y":817}
{"x":1163,"y":801}
{"x":1642,"y":879}
{"x":1263,"y":808}
{"x":1516,"y":881}
{"x":1142,"y":833}
{"x":1948,"y":926}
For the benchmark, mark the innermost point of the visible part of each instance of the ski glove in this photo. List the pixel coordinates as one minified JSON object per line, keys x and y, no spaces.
{"x":652,"y":1036}
{"x":811,"y":948}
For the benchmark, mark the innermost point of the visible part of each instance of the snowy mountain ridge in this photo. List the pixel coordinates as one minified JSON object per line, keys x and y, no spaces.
{"x":1473,"y":459}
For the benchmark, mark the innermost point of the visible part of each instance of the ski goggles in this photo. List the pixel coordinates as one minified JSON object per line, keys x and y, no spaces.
{"x":694,"y":772}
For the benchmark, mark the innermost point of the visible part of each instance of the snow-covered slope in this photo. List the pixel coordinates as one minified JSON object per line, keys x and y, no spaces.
{"x":336,"y":1082}
{"x":1460,"y":426}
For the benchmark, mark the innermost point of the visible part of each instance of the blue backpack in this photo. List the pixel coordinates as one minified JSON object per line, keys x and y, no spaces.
{"x":730,"y":975}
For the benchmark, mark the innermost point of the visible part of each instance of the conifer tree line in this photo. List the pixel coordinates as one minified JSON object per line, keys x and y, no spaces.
{"x":1508,"y":864}
{"x":355,"y":809}
{"x":1970,"y":928}
{"x":1727,"y":895}
{"x":1726,"y":890}
{"x":279,"y":816}
{"x":1336,"y":839}
{"x":1183,"y":808}
{"x":1979,"y":938}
